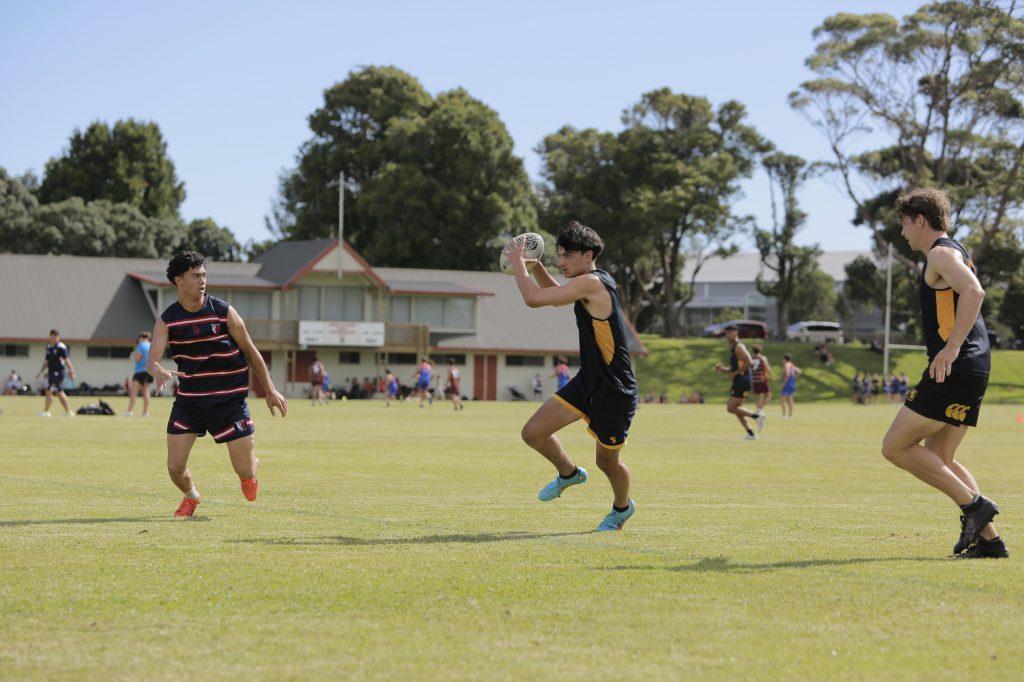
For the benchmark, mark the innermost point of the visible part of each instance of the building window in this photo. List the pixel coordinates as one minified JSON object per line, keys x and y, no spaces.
{"x":343,"y":303}
{"x":309,"y":303}
{"x":429,"y":311}
{"x":460,"y":359}
{"x":458,"y":313}
{"x":251,"y":305}
{"x":573,"y":360}
{"x":349,"y":357}
{"x":401,"y":309}
{"x":14,"y":350}
{"x":524,"y":360}
{"x":402,"y":359}
{"x":108,"y":352}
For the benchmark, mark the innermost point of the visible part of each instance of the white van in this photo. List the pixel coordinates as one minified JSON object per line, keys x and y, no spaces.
{"x":815,"y":332}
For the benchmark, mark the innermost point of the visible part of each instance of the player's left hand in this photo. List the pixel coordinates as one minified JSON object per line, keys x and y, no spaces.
{"x":278,"y":401}
{"x":942,"y":365}
{"x":516,"y":249}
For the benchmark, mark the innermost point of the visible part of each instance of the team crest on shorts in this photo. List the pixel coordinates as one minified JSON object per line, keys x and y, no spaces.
{"x":957,"y":411}
{"x":911,"y":395}
{"x":241,"y":424}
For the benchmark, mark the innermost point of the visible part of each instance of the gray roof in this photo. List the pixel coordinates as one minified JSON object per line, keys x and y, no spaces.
{"x":436,"y":288}
{"x":85,"y":298}
{"x":283,"y":261}
{"x":504,"y":322}
{"x":214,"y":278}
{"x":744,"y":267}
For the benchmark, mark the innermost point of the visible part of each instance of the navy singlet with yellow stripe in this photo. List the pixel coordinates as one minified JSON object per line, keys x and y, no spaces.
{"x":214,"y":368}
{"x":938,"y":310}
{"x":604,"y":354}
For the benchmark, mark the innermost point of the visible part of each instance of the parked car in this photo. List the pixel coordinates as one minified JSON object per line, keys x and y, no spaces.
{"x":748,"y":329}
{"x":815,"y":332}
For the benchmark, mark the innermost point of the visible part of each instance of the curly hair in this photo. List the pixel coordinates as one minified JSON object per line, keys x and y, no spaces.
{"x":575,"y":236}
{"x":930,"y":203}
{"x":182,"y":262}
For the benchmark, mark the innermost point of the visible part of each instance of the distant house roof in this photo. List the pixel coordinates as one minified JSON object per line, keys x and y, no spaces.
{"x":434,"y":288}
{"x":745,"y":266}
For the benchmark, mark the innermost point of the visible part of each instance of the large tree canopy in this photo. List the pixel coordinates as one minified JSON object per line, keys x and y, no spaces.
{"x":429,"y":182}
{"x":126,"y":163}
{"x":657,"y":191}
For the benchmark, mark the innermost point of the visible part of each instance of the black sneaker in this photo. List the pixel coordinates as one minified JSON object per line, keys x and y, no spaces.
{"x":985,"y":549}
{"x":976,"y":516}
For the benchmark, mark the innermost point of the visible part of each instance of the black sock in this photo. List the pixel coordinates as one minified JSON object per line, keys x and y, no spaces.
{"x":750,"y":431}
{"x":620,"y":509}
{"x":575,"y":471}
{"x":966,"y":507}
{"x":995,"y":539}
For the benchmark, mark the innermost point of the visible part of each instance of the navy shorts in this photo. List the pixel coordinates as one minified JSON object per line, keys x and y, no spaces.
{"x":956,"y":401}
{"x":226,"y":422}
{"x":142,"y":378}
{"x":740,"y":388}
{"x":608,"y":416}
{"x":56,"y":381}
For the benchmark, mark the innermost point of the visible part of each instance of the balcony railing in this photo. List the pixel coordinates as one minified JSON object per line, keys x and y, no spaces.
{"x":284,"y":334}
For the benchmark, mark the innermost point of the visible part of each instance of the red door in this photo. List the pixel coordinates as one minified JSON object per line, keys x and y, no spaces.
{"x":485,"y":377}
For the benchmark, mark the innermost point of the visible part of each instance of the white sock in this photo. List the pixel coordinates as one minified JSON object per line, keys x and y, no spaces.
{"x":192,"y":494}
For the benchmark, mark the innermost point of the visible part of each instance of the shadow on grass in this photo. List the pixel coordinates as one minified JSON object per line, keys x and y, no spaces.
{"x":348,"y":541}
{"x":126,"y":519}
{"x":726,"y":565}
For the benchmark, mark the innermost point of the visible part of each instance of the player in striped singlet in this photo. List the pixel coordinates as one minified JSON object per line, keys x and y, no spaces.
{"x":212,"y":348}
{"x":950,"y":392}
{"x":603,"y":393}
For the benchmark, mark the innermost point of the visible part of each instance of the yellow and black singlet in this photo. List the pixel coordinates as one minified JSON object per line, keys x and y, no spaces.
{"x":938,"y":310}
{"x":604,"y":353}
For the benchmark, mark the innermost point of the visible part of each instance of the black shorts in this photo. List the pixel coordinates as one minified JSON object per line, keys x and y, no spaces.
{"x":142,"y":378}
{"x":226,"y":422}
{"x":55,"y":381}
{"x":740,"y":388}
{"x":608,"y":416}
{"x":956,"y":401}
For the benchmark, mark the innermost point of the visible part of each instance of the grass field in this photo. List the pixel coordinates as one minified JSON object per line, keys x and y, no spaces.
{"x":408,"y":544}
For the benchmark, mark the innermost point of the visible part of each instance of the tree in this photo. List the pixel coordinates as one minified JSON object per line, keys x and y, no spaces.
{"x":662,"y":185}
{"x":429,"y":181}
{"x":946,"y":88}
{"x":124,"y":164}
{"x":17,"y":213}
{"x":814,"y":299}
{"x":208,"y":238}
{"x":794,"y":267}
{"x":1012,"y":310}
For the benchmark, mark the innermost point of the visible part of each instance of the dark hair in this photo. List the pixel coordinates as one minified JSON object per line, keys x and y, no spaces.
{"x":930,"y":203}
{"x":54,"y":332}
{"x":575,"y":236}
{"x":182,"y":262}
{"x":451,"y":361}
{"x":756,"y":348}
{"x":731,"y":328}
{"x":786,"y":357}
{"x":144,"y":335}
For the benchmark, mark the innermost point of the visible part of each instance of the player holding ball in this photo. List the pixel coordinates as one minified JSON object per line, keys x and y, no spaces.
{"x":603,"y":393}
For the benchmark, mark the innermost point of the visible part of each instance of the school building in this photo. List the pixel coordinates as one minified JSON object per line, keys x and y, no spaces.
{"x":299,"y":299}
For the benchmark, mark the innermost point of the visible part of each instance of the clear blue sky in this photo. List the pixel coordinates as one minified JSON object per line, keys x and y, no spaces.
{"x":230,"y":83}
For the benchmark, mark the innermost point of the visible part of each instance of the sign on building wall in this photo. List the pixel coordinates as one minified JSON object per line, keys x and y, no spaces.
{"x":362,"y":334}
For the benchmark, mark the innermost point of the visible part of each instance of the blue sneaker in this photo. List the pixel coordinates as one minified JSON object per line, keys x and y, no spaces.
{"x":616,"y":519}
{"x":554,"y":489}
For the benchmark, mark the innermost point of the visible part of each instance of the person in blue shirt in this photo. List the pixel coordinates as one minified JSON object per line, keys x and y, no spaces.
{"x":141,"y":379}
{"x":56,"y":365}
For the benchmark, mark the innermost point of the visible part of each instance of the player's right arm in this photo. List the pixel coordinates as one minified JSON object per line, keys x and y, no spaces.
{"x":541,"y":274}
{"x":156,"y":350}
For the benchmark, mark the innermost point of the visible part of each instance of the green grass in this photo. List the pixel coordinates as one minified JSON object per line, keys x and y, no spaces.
{"x":407,"y":544}
{"x":678,"y":365}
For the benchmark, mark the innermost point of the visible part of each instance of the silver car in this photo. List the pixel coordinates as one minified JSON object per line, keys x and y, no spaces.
{"x":814,"y":331}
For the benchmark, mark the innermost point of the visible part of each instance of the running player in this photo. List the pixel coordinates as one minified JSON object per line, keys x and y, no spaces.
{"x":141,"y":379}
{"x":422,"y":377}
{"x":762,"y":375}
{"x":742,"y":380}
{"x":603,"y":393}
{"x":390,"y":388}
{"x":316,"y":382}
{"x":58,"y":357}
{"x":950,"y":392}
{"x":212,"y":348}
{"x":789,"y":374}
{"x":453,"y":385}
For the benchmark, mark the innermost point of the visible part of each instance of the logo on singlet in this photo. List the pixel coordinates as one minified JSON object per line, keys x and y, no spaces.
{"x":957,"y":411}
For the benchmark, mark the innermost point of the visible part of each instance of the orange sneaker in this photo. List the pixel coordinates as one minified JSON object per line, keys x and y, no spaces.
{"x":187,"y":508}
{"x":250,"y":488}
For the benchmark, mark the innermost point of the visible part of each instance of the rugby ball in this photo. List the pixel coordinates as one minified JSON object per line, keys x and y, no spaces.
{"x":534,"y":250}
